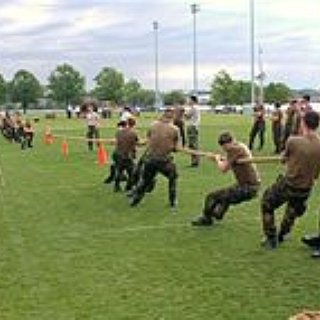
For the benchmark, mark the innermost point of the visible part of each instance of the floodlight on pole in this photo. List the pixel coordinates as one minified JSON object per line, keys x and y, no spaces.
{"x":252,"y":44}
{"x":155,"y":25}
{"x":194,"y":10}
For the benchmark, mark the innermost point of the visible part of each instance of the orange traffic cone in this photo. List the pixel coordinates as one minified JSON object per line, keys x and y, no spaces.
{"x":64,"y":148}
{"x":102,"y":155}
{"x":47,"y":136}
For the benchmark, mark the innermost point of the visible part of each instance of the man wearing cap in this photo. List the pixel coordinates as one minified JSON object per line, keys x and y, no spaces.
{"x":162,"y":141}
{"x":247,"y":181}
{"x":302,"y":159}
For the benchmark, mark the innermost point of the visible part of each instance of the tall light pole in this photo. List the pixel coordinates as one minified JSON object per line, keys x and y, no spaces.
{"x":252,"y":46}
{"x":261,"y":76}
{"x":155,"y":25}
{"x":194,"y":10}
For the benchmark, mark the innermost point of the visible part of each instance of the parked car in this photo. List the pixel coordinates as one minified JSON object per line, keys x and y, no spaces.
{"x":225,"y":109}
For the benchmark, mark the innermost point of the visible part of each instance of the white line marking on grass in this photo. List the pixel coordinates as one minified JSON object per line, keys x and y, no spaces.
{"x":149,"y":227}
{"x":2,"y":181}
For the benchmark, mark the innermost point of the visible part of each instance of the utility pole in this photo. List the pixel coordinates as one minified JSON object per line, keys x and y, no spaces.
{"x":252,"y":43}
{"x":155,"y":25}
{"x":194,"y":10}
{"x":261,"y":77}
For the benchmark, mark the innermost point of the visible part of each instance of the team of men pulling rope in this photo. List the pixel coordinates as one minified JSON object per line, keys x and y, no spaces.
{"x":300,"y":154}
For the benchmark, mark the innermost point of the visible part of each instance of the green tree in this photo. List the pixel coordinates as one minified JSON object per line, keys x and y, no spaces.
{"x":174,"y":96}
{"x":241,"y":92}
{"x":66,"y":85}
{"x":222,"y":89}
{"x":131,"y":92}
{"x":109,"y":85}
{"x":3,"y":90}
{"x":277,"y":92}
{"x":147,"y":98}
{"x":25,"y":88}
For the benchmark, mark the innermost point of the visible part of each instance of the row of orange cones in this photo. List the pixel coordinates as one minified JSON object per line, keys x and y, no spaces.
{"x":102,"y":154}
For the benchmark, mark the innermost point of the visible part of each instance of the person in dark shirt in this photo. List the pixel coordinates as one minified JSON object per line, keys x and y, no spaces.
{"x":125,"y":153}
{"x":28,"y":133}
{"x":162,"y":140}
{"x":258,"y":128}
{"x":302,"y":159}
{"x":277,"y":129}
{"x":120,"y":126}
{"x":178,"y":121}
{"x":246,"y":187}
{"x":292,"y":123}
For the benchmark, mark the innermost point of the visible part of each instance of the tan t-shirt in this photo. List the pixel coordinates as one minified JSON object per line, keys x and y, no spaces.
{"x":245,"y":173}
{"x":126,"y":142}
{"x":179,"y":113}
{"x":92,"y":119}
{"x":302,"y":157}
{"x":293,"y":121}
{"x":193,"y":116}
{"x":163,"y":138}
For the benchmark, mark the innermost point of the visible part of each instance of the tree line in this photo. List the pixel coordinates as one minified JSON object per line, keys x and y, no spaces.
{"x":66,"y":85}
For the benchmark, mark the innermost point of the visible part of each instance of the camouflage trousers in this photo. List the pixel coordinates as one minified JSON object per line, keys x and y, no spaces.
{"x":217,"y":203}
{"x":92,"y":133}
{"x":193,"y":142}
{"x":139,"y":171}
{"x":258,"y":128}
{"x":153,"y":166}
{"x":275,"y":196}
{"x":123,"y":164}
{"x":26,"y":140}
{"x":277,"y":137}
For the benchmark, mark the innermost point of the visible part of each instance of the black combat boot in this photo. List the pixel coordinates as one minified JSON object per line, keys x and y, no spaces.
{"x":135,"y":199}
{"x":269,"y":243}
{"x":111,"y":176}
{"x":316,"y":253}
{"x":311,"y":241}
{"x":202,"y":221}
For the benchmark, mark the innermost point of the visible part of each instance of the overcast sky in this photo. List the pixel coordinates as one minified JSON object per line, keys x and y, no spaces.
{"x":37,"y":35}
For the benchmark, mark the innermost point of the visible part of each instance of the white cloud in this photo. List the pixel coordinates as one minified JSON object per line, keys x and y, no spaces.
{"x":25,"y":14}
{"x":93,"y":18}
{"x":293,"y":10}
{"x":37,"y":34}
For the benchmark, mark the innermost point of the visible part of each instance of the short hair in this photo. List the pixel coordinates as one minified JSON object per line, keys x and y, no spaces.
{"x":122,"y":124}
{"x":277,"y":105}
{"x":131,"y":122}
{"x":306,"y":97}
{"x":311,"y":119}
{"x":194,"y":99}
{"x":168,"y":113}
{"x":224,"y":138}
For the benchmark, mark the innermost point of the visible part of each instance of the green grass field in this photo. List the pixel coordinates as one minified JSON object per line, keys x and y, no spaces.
{"x":72,"y":249}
